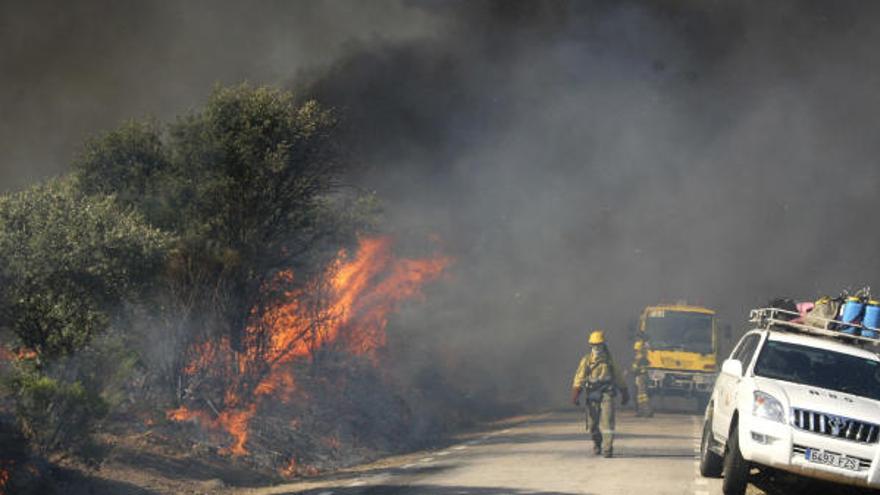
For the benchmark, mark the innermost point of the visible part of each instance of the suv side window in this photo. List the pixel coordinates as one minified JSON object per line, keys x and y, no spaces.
{"x":746,"y":349}
{"x":737,"y":352}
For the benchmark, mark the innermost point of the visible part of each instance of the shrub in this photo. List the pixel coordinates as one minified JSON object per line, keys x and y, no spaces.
{"x":58,"y":418}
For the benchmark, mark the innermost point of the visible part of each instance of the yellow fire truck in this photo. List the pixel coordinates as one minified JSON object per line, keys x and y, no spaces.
{"x":684,"y":343}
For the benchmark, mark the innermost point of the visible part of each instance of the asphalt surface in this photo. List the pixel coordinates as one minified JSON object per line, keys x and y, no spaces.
{"x":551,"y":454}
{"x":544,"y":455}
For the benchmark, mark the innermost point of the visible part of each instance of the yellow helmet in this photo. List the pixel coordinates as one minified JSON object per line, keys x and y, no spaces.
{"x":638,"y":345}
{"x":597,"y":337}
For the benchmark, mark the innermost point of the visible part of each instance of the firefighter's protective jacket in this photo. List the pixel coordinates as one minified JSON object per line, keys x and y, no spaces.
{"x":597,"y":367}
{"x":640,"y":363}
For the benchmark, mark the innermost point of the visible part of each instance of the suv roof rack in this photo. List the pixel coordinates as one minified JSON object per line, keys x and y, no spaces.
{"x":793,"y":321}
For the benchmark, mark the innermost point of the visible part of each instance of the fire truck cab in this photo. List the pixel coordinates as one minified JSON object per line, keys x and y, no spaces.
{"x":683,"y":351}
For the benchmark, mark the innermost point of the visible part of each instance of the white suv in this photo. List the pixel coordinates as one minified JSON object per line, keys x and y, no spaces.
{"x":797,"y":400}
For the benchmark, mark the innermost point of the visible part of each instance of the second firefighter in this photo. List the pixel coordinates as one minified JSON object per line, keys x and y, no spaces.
{"x":640,"y":373}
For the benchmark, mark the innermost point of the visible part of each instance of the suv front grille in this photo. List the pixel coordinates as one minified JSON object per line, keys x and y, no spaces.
{"x":835,"y":426}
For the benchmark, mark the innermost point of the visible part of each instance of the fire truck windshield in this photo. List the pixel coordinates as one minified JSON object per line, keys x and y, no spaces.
{"x":679,"y":330}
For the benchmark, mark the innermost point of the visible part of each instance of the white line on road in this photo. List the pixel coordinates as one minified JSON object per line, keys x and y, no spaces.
{"x":378,"y":478}
{"x":459,"y":447}
{"x":426,"y":459}
{"x":441,"y":454}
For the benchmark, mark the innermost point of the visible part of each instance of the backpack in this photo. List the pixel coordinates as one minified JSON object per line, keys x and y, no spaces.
{"x":824,"y":309}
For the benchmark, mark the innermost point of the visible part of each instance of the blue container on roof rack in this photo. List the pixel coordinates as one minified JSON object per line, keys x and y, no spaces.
{"x":850,"y":313}
{"x":871,"y":320}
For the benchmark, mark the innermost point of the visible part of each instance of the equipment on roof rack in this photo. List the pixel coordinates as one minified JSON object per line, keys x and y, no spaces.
{"x":871,"y":320}
{"x":850,"y":313}
{"x":785,"y":320}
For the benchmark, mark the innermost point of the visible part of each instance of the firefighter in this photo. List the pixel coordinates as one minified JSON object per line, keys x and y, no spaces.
{"x":600,"y":378}
{"x":640,"y":372}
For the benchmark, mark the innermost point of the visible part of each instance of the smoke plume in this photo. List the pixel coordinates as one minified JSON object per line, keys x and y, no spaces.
{"x":579,"y":160}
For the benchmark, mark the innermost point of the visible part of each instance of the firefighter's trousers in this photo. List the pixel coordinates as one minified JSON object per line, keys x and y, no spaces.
{"x":600,"y":421}
{"x":643,"y":401}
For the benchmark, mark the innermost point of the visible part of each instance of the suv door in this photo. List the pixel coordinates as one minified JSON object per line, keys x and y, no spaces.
{"x":726,"y":385}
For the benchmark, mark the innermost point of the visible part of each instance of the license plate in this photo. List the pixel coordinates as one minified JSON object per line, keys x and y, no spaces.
{"x":831,"y":459}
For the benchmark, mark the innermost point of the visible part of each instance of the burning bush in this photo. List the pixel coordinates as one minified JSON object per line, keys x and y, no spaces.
{"x":314,"y":357}
{"x":248,"y":187}
{"x":207,"y":252}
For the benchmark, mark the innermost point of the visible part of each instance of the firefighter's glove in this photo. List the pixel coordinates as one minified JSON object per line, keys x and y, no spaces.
{"x":576,"y":396}
{"x":624,"y":396}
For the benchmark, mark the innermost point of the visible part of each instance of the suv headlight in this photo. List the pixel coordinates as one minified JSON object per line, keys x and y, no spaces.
{"x":768,"y":407}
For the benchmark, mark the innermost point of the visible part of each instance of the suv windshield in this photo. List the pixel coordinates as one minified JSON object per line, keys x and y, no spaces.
{"x":678,"y":330}
{"x":819,"y":368}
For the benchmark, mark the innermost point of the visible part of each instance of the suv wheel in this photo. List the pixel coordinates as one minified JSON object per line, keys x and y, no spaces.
{"x":711,"y":464}
{"x":736,"y":469}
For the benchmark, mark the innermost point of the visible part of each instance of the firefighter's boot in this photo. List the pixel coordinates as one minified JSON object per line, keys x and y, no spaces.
{"x":643,"y":400}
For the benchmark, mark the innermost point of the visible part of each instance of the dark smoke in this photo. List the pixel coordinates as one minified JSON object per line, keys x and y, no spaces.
{"x":579,"y":159}
{"x":71,"y":69}
{"x":587,"y":159}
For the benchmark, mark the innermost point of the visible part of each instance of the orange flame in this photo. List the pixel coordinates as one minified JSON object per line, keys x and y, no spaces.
{"x":348,"y":306}
{"x":289,"y":471}
{"x":236,"y":423}
{"x":5,"y":476}
{"x":25,"y":354}
{"x":16,"y":354}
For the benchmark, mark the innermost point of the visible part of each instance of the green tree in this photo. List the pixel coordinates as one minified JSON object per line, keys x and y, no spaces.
{"x":258,"y":166}
{"x":67,"y":263}
{"x":250,"y":186}
{"x":127,"y":162}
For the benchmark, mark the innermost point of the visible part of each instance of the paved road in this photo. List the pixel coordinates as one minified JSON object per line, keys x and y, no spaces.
{"x":545,"y":455}
{"x":550,"y":455}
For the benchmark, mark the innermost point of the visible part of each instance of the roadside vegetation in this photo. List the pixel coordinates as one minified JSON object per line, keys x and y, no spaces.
{"x":165,"y":239}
